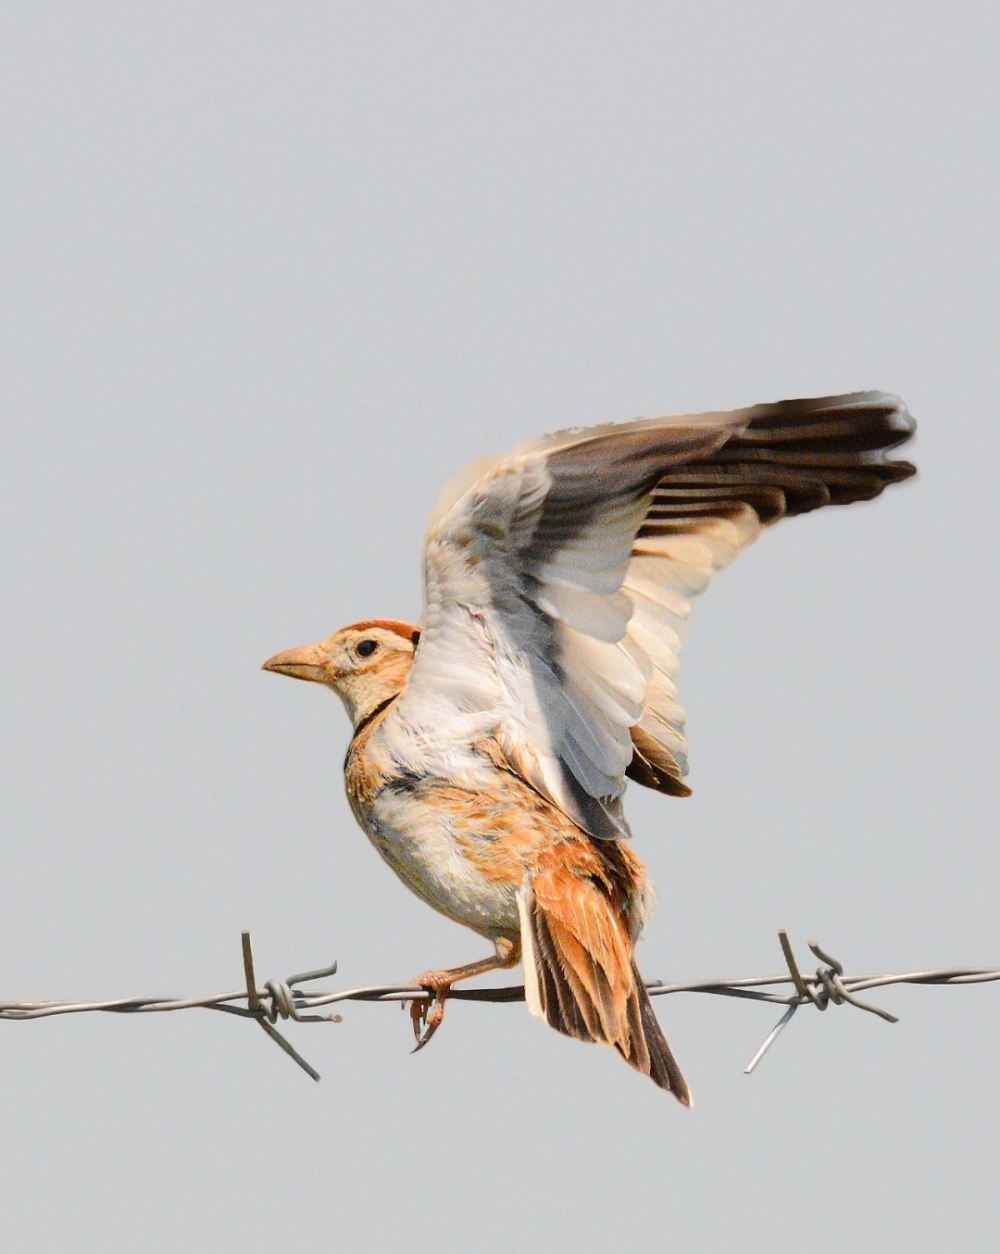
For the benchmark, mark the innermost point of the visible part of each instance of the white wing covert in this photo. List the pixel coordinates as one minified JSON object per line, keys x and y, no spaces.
{"x":559,"y":577}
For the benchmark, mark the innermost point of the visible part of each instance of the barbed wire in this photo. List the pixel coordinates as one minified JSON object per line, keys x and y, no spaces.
{"x":284,"y":999}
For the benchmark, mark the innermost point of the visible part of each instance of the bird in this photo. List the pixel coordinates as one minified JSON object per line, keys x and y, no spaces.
{"x":492,"y":741}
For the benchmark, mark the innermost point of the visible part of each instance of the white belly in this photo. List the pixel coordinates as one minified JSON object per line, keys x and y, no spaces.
{"x":417,"y":841}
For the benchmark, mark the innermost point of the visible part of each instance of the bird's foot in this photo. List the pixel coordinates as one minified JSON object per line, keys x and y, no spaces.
{"x":427,"y":1013}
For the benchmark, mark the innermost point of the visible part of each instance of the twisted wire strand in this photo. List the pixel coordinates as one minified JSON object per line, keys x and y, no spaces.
{"x":284,"y":999}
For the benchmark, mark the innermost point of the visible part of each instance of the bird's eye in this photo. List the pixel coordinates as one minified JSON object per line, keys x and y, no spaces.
{"x":367,"y":647}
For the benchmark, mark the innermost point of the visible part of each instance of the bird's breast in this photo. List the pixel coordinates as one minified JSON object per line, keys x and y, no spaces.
{"x":461,"y":830}
{"x":460,"y":833}
{"x":448,"y":855}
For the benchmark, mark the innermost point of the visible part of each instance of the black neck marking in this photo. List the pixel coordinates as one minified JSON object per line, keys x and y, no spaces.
{"x":372,"y":715}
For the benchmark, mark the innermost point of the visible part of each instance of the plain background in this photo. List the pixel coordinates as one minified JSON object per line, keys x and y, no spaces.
{"x":271,"y":274}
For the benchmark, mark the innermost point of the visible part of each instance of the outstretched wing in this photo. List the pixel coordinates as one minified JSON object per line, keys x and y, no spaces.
{"x":559,"y":579}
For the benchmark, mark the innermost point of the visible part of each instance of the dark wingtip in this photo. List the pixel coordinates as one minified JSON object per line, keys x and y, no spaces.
{"x":654,"y":767}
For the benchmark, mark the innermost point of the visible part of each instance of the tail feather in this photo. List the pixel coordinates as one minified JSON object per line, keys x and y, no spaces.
{"x":592,"y":992}
{"x":663,"y":1068}
{"x":558,"y":995}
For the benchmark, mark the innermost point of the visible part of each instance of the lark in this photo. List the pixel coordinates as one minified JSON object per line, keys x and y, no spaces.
{"x":492,"y":742}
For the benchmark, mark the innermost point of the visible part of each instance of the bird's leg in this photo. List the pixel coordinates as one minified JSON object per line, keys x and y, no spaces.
{"x":426,"y":1013}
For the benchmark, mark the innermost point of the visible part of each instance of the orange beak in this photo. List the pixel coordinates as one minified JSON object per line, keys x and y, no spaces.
{"x":309,"y":661}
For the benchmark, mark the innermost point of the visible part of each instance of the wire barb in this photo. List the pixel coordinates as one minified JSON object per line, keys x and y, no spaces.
{"x":282,"y":1002}
{"x":828,"y":986}
{"x":285,"y":999}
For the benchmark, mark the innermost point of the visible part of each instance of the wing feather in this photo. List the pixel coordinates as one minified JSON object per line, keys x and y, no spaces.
{"x":559,"y":580}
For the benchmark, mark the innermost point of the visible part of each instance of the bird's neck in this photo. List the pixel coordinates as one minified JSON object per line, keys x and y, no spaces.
{"x":363,"y":701}
{"x":364,"y":720}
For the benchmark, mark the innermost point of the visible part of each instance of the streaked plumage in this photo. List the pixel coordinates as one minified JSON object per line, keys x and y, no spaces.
{"x":492,"y":743}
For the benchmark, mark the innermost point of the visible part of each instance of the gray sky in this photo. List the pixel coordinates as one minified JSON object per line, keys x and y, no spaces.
{"x":271,"y":275}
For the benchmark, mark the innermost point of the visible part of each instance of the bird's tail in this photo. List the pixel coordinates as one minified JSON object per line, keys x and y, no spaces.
{"x":580,"y":975}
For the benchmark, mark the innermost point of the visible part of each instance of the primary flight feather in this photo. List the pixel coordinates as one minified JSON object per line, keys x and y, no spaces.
{"x":492,"y":742}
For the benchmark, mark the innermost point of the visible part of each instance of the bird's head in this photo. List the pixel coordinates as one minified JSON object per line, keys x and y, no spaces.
{"x":364,"y":663}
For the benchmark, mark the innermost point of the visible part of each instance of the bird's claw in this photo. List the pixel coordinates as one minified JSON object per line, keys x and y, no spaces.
{"x":427,"y":1013}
